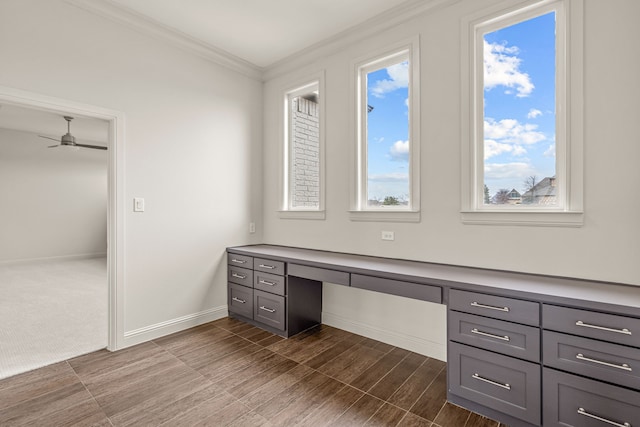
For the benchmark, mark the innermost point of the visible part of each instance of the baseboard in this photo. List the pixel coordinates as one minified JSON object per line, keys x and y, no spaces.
{"x":55,"y":258}
{"x":397,"y":339}
{"x":161,"y":329}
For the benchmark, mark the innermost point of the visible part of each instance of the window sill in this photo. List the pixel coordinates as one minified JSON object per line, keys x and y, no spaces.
{"x":385,"y":216}
{"x":301,"y":214}
{"x":528,"y":218}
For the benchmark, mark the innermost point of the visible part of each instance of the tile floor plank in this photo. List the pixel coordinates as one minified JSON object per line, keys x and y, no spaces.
{"x":229,"y":373}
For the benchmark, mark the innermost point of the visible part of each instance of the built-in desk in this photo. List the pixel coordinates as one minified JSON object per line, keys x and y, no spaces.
{"x":516,"y":342}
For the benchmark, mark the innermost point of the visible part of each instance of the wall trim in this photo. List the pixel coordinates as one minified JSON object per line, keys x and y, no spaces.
{"x":148,"y":333}
{"x":398,"y":339}
{"x":342,"y":40}
{"x":132,"y":19}
{"x":55,"y":258}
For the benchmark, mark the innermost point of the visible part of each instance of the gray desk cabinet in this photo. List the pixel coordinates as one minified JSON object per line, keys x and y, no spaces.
{"x":525,"y":350}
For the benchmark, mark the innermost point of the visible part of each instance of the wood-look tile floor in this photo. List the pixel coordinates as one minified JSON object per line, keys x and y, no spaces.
{"x":229,"y":373}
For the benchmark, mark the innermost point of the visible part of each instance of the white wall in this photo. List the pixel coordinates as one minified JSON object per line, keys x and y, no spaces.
{"x":192,"y":148}
{"x":606,"y":248}
{"x":54,"y":202}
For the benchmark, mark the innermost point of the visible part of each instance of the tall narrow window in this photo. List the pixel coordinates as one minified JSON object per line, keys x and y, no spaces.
{"x":303,"y":149}
{"x":519,"y":127}
{"x":387,"y":134}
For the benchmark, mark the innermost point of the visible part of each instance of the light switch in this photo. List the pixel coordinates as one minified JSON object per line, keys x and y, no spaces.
{"x":138,"y":204}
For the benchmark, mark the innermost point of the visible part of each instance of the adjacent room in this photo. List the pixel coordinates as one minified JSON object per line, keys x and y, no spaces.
{"x":330,"y":212}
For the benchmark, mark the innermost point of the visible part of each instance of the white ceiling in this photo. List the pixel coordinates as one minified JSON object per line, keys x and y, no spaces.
{"x":259,"y":31}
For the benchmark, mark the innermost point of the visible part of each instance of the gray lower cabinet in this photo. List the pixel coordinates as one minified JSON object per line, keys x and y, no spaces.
{"x":573,"y":401}
{"x":261,"y":293}
{"x":493,"y":356}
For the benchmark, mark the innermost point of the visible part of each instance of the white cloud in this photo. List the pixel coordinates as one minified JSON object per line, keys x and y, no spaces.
{"x":533,"y":113}
{"x":390,"y":177}
{"x":511,"y":131}
{"x":493,"y":148}
{"x":517,"y":171}
{"x":551,"y":151}
{"x":398,"y":78}
{"x":399,"y":151}
{"x":502,"y":68}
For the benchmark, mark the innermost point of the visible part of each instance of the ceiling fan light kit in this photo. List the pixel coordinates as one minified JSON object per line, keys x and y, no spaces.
{"x":68,"y":140}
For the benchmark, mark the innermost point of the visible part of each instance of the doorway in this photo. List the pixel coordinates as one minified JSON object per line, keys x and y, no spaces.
{"x":110,"y":266}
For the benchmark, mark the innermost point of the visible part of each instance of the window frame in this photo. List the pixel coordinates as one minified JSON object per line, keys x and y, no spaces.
{"x":360,"y":211}
{"x":569,"y":116}
{"x":287,"y":211}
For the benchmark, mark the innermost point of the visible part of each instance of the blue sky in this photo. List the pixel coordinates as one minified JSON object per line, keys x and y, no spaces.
{"x":388,"y":132}
{"x":519,"y":103}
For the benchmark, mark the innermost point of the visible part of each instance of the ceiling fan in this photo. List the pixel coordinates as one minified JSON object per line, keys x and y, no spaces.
{"x":70,"y":140}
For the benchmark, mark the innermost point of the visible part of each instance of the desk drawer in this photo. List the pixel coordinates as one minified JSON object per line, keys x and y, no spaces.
{"x":320,"y":274}
{"x":240,"y":300}
{"x":513,"y":310}
{"x":591,"y":324}
{"x":580,"y":402}
{"x":241,"y":276}
{"x":397,"y":287}
{"x":507,"y":338}
{"x":505,"y":384}
{"x":240,"y":260}
{"x":269,"y":266}
{"x":605,"y":361}
{"x":269,"y":283}
{"x":269,"y":309}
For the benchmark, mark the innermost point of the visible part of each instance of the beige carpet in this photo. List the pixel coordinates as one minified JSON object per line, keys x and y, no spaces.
{"x":50,"y":311}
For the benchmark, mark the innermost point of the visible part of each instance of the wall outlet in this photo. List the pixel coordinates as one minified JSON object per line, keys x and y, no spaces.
{"x":252,"y":227}
{"x":138,"y":204}
{"x":388,"y":235}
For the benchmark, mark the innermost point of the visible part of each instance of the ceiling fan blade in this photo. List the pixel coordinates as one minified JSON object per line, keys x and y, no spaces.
{"x":48,"y":137}
{"x":96,"y":147}
{"x":54,"y":146}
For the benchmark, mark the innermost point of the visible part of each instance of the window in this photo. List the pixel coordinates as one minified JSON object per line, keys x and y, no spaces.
{"x":520,"y":134}
{"x":303,"y":153}
{"x":387,"y":152}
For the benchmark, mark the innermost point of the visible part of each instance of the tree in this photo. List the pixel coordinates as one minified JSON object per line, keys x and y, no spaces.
{"x":502,"y":196}
{"x":529,"y":187}
{"x":487,"y":198}
{"x":390,"y":200}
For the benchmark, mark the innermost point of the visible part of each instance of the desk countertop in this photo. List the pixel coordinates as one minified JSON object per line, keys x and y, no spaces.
{"x":618,"y":298}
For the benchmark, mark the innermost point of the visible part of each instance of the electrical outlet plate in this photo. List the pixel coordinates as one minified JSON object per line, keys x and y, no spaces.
{"x":388,"y":235}
{"x":252,"y":227}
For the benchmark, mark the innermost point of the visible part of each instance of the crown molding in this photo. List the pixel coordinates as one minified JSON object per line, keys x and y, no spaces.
{"x":368,"y":28}
{"x":155,"y":29}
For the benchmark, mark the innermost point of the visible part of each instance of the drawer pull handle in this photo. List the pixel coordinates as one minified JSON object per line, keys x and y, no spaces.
{"x":486,"y":380}
{"x":270,"y":267}
{"x":490,"y":307}
{"x":487,"y":334}
{"x":581,"y":411}
{"x":603,"y":328}
{"x":267,"y":309}
{"x":241,"y":301}
{"x":238,"y":276}
{"x":265,"y":282}
{"x":624,"y":366}
{"x":238,"y":261}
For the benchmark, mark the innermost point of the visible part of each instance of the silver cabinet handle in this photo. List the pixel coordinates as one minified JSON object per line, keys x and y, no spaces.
{"x":265,"y":282}
{"x":624,"y":366}
{"x":270,"y":267}
{"x":238,"y":261}
{"x":238,"y":276}
{"x":490,"y":307}
{"x":270,"y":310}
{"x":603,"y":328}
{"x":487,"y":334}
{"x":581,"y":411}
{"x":487,"y":380}
{"x":241,"y":301}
